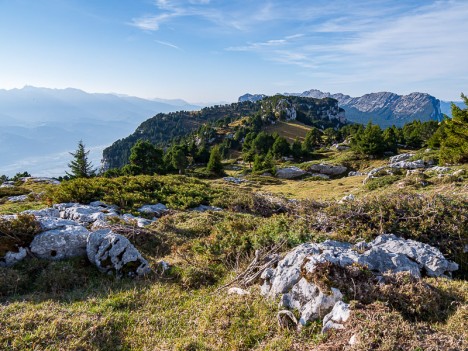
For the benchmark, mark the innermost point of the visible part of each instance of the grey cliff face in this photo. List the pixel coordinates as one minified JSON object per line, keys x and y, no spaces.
{"x":385,"y":108}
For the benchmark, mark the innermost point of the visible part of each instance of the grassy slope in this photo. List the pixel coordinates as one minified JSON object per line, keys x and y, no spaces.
{"x":290,"y":130}
{"x":70,"y":306}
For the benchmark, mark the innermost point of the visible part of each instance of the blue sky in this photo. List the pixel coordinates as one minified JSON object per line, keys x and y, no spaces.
{"x":208,"y":50}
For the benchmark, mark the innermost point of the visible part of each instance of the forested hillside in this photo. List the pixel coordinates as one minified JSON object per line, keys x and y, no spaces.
{"x":163,"y":129}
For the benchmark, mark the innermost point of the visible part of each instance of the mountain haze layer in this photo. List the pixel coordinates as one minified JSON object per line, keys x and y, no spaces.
{"x":39,"y":126}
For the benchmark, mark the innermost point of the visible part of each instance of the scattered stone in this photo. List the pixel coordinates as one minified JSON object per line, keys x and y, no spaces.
{"x":319,"y":175}
{"x":162,"y":267}
{"x":97,"y":204}
{"x":355,"y":174}
{"x":8,"y":184}
{"x":286,"y":319}
{"x":353,"y":340}
{"x":204,"y":208}
{"x":438,"y":169}
{"x":328,"y":169}
{"x":459,"y":173}
{"x":337,"y":317}
{"x":310,"y":301}
{"x":62,"y":243}
{"x":11,"y":258}
{"x":19,"y":198}
{"x":234,"y":180}
{"x":340,"y":147}
{"x":347,"y":198}
{"x":100,"y":224}
{"x":140,"y":222}
{"x":157,"y":209}
{"x":408,"y":164}
{"x":290,"y":172}
{"x":400,"y":157}
{"x":44,"y":180}
{"x":112,"y":252}
{"x":237,"y":291}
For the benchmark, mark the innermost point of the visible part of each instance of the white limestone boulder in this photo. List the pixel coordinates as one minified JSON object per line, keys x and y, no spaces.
{"x":62,"y":243}
{"x":114,"y":253}
{"x":290,"y":172}
{"x":328,"y":169}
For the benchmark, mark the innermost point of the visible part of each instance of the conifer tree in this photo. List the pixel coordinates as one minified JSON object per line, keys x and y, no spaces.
{"x":179,"y":160}
{"x":454,"y":147}
{"x":370,"y":141}
{"x":80,"y":166}
{"x":145,"y":158}
{"x":214,"y":164}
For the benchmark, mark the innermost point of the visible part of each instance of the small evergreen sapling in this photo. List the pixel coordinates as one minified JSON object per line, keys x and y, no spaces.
{"x":80,"y":166}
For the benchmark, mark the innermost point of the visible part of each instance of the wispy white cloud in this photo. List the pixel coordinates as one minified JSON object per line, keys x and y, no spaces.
{"x":165,"y":43}
{"x":423,"y":43}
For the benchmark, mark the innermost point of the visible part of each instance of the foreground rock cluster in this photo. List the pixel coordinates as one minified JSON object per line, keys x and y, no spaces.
{"x":73,"y":230}
{"x":290,"y":280}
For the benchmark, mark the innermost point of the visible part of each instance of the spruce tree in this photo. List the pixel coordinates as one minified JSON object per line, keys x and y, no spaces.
{"x":214,"y":164}
{"x":145,"y":158}
{"x":80,"y":166}
{"x":179,"y":160}
{"x":454,"y":147}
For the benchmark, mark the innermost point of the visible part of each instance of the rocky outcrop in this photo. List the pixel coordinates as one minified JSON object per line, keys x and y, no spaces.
{"x":111,"y":252}
{"x":386,"y":254}
{"x":328,"y":169}
{"x":290,"y":173}
{"x":66,"y":228}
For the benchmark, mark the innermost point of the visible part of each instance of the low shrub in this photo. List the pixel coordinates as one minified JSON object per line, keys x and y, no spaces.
{"x":17,"y":232}
{"x":14,"y":191}
{"x":177,"y":192}
{"x":413,"y":298}
{"x":381,"y":182}
{"x":435,"y":219}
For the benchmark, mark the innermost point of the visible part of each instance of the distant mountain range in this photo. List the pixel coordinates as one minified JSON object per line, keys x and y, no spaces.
{"x":39,"y":126}
{"x":382,"y":108}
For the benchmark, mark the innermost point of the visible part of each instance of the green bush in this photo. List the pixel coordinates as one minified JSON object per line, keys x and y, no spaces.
{"x":18,"y":232}
{"x":177,"y":192}
{"x":437,"y":220}
{"x":14,"y":191}
{"x":381,"y":182}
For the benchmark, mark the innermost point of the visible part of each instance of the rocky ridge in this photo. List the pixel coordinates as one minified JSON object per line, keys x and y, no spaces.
{"x":385,"y":108}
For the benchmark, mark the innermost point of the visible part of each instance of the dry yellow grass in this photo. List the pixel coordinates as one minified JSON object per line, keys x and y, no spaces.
{"x":332,"y":189}
{"x":290,"y":130}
